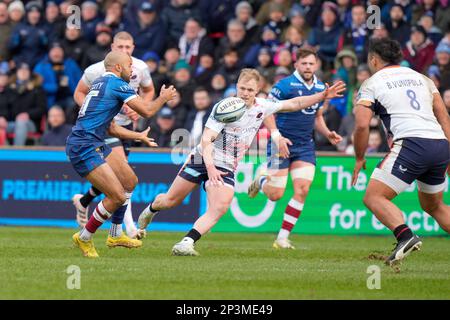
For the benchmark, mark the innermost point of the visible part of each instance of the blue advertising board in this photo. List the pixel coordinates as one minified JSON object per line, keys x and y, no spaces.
{"x":36,"y":187}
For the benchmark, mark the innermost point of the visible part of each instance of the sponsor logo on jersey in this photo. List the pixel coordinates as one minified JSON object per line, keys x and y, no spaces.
{"x":259,"y":115}
{"x":295,"y":84}
{"x":320,"y":86}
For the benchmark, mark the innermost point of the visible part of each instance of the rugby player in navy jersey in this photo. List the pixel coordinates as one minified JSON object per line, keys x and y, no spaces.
{"x":291,"y":148}
{"x":92,"y":158}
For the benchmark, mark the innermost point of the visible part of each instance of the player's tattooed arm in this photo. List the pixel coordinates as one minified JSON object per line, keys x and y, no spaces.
{"x":148,"y":110}
{"x":123,"y":133}
{"x":214,"y":175}
{"x":441,"y":114}
{"x":299,"y":103}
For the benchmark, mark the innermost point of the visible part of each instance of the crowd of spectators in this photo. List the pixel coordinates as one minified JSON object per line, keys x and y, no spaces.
{"x":200,"y":46}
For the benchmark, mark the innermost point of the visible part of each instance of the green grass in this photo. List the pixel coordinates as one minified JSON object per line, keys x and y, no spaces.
{"x":33,"y":264}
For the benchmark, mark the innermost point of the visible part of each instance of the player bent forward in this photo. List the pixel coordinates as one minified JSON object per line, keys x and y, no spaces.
{"x":414,"y":114}
{"x":92,"y":158}
{"x":214,"y":161}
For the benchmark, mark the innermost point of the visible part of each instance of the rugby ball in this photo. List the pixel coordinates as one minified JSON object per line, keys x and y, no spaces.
{"x":229,"y":109}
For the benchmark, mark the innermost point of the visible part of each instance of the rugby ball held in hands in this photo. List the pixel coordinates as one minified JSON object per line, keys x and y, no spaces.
{"x":229,"y":109}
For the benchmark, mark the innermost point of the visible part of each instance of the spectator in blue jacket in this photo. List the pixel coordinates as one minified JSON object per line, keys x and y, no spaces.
{"x":147,"y":30}
{"x":28,"y":41}
{"x":60,"y":75}
{"x":325,"y":37}
{"x":176,"y":14}
{"x":89,"y":20}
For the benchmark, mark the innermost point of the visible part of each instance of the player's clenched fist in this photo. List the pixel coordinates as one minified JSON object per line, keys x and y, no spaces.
{"x":168,"y":93}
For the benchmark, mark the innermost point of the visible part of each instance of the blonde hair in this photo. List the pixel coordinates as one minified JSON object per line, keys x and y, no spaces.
{"x":123,"y":35}
{"x":249,"y":74}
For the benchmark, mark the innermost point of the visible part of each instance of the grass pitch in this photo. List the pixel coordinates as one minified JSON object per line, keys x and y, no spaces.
{"x":34,"y":262}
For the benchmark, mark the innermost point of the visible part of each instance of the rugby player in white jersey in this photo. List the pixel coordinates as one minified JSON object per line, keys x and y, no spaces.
{"x":215,"y":159}
{"x":141,"y":82}
{"x":414,"y":116}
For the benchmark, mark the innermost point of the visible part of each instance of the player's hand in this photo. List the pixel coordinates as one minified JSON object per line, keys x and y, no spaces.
{"x":168,"y":93}
{"x":334,"y":138}
{"x":335,"y":91}
{"x":360,"y":164}
{"x":283,"y":147}
{"x":144,"y":138}
{"x":215,"y":176}
{"x":133,"y":115}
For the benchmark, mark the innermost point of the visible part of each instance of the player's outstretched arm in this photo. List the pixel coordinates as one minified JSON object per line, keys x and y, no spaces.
{"x":441,"y":114}
{"x":304,"y":102}
{"x":80,"y":92}
{"x":148,"y":110}
{"x":123,"y":133}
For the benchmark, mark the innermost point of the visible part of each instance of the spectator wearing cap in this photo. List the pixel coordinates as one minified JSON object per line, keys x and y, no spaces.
{"x":434,"y":8}
{"x":277,"y":19}
{"x":165,"y":125}
{"x":28,"y":104}
{"x":147,"y":30}
{"x":176,"y":14}
{"x":16,"y":11}
{"x":194,"y":42}
{"x":100,"y":49}
{"x":6,"y":28}
{"x":356,"y":36}
{"x":54,"y":22}
{"x":441,"y":69}
{"x":216,"y":14}
{"x":265,"y":64}
{"x":298,"y":21}
{"x":114,"y":15}
{"x":58,"y":130}
{"x":235,"y":39}
{"x":433,"y":32}
{"x":90,"y":17}
{"x":419,"y":50}
{"x":29,"y":41}
{"x":263,"y":15}
{"x":244,"y":13}
{"x":183,"y":82}
{"x":75,"y":47}
{"x":269,"y":39}
{"x":325,"y":37}
{"x":399,"y":29}
{"x":197,"y":117}
{"x":153,"y":62}
{"x":60,"y":75}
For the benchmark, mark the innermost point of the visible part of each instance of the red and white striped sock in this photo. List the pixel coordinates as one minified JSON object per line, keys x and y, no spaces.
{"x":291,"y":214}
{"x":99,"y":216}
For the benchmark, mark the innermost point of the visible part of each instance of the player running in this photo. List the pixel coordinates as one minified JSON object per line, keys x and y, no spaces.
{"x":214,"y":161}
{"x":414,"y":115}
{"x":141,"y":82}
{"x":294,"y":140}
{"x":92,"y":158}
